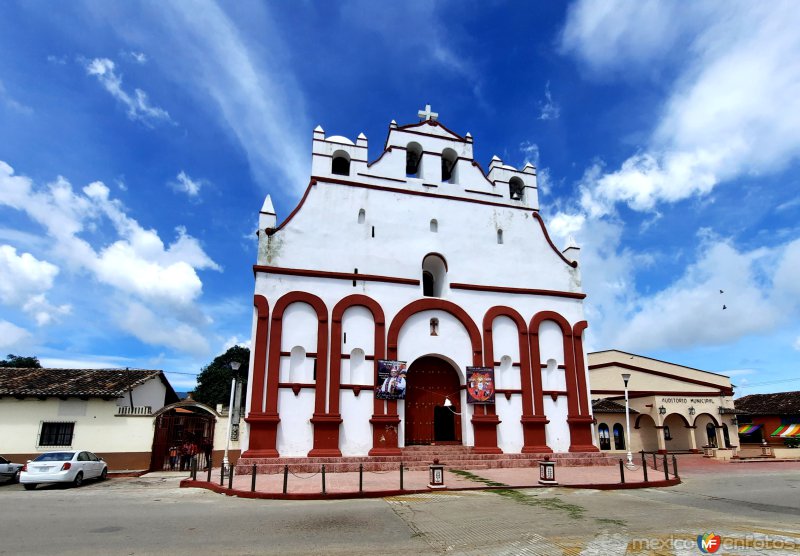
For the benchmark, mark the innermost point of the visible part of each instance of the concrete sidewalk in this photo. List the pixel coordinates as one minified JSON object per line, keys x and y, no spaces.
{"x":309,"y":485}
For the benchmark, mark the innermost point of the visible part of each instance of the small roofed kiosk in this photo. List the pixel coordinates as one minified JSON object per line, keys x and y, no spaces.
{"x":771,"y":418}
{"x":420,"y":263}
{"x":673,"y":408}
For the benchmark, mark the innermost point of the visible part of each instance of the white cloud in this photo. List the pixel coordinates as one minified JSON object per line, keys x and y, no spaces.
{"x":249,"y":82}
{"x":13,"y":103}
{"x":235,"y":341}
{"x":136,"y":263}
{"x":11,"y":335}
{"x":138,"y":105}
{"x":23,"y":276}
{"x":549,"y":110}
{"x":25,"y":281}
{"x":138,"y":57}
{"x":531,"y":152}
{"x":89,"y":362}
{"x":160,"y":330}
{"x":733,"y":110}
{"x":58,"y":60}
{"x":759,"y":293}
{"x":186,"y":184}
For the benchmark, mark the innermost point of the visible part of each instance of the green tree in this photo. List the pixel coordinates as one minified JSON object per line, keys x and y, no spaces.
{"x":22,"y":362}
{"x":214,"y":381}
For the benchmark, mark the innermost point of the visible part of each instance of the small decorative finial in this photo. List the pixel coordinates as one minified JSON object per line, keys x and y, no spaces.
{"x":425,"y":115}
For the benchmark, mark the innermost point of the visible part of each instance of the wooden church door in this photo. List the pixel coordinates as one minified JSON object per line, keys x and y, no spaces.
{"x":427,"y":421}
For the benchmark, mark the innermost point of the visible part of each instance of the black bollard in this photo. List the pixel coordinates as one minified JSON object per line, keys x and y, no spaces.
{"x":194,"y":470}
{"x":666,"y":468}
{"x":253,"y":479}
{"x":644,"y":466}
{"x":655,"y":462}
{"x":621,"y":472}
{"x":674,"y":466}
{"x":222,"y":474}
{"x":323,"y":479}
{"x":285,"y":477}
{"x":401,"y":476}
{"x":230,"y":476}
{"x":360,"y":477}
{"x":208,"y":479}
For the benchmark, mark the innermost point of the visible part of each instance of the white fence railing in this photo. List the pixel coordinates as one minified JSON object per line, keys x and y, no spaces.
{"x":135,"y":410}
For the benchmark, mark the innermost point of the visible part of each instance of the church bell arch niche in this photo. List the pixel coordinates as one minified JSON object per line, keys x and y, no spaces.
{"x":434,"y":275}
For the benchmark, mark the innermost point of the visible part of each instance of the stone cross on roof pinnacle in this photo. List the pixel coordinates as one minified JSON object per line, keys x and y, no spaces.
{"x":426,"y":114}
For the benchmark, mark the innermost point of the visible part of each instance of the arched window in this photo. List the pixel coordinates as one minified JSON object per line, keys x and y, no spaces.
{"x":449,"y":160}
{"x":711,"y":433}
{"x":427,"y":284}
{"x":605,"y":440}
{"x":726,"y":435}
{"x":516,"y":188}
{"x":340,"y":165}
{"x":619,"y":437}
{"x":434,"y":275}
{"x":434,"y":225}
{"x":500,"y":237}
{"x":362,"y":215}
{"x":667,"y":435}
{"x":413,"y":160}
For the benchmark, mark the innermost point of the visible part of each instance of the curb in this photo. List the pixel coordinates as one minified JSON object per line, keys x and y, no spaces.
{"x":188,"y":483}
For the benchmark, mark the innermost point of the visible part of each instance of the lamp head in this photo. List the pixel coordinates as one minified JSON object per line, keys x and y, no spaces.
{"x":235,"y":365}
{"x":447,"y":402}
{"x":626,"y":377}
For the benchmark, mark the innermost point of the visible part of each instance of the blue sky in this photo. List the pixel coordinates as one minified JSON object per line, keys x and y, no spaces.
{"x":138,"y":140}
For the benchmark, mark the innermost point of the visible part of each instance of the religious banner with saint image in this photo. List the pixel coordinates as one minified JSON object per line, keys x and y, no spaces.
{"x":480,"y":385}
{"x":391,"y":380}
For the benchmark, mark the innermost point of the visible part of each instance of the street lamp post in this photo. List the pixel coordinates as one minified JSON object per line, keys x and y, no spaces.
{"x":225,"y":462}
{"x":626,"y":377}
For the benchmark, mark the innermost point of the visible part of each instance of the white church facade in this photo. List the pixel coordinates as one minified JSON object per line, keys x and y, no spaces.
{"x":419,"y":257}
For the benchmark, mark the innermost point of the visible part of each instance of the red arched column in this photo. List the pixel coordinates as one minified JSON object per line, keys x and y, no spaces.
{"x":379,"y":351}
{"x":533,"y":419}
{"x":257,"y":420}
{"x":390,"y":418}
{"x":580,"y":426}
{"x":264,"y":429}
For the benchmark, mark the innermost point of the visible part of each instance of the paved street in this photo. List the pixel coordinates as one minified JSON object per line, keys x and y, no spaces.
{"x":743,"y":503}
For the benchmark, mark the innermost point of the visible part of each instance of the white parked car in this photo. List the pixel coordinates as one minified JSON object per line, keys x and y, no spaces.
{"x":8,"y":470}
{"x":63,"y":466}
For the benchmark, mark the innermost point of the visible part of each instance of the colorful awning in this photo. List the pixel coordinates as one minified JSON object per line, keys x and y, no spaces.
{"x":748,"y":429}
{"x":787,"y":431}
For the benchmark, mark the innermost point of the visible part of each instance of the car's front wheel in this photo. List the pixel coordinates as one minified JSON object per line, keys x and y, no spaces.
{"x":78,"y":481}
{"x":29,"y":486}
{"x":104,"y":474}
{"x":15,"y":478}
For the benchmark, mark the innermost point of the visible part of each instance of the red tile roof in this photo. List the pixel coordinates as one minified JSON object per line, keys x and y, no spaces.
{"x":778,"y":403}
{"x":608,"y":406}
{"x":93,"y":383}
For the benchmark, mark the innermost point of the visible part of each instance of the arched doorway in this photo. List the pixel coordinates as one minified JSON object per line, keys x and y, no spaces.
{"x":183,"y":432}
{"x":430,"y":381}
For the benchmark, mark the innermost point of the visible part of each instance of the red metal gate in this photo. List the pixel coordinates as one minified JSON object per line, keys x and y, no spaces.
{"x":431,"y":380}
{"x":182,"y":436}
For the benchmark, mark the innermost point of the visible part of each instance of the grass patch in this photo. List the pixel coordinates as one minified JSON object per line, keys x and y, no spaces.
{"x":606,"y":521}
{"x":572,"y":510}
{"x":476,"y":478}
